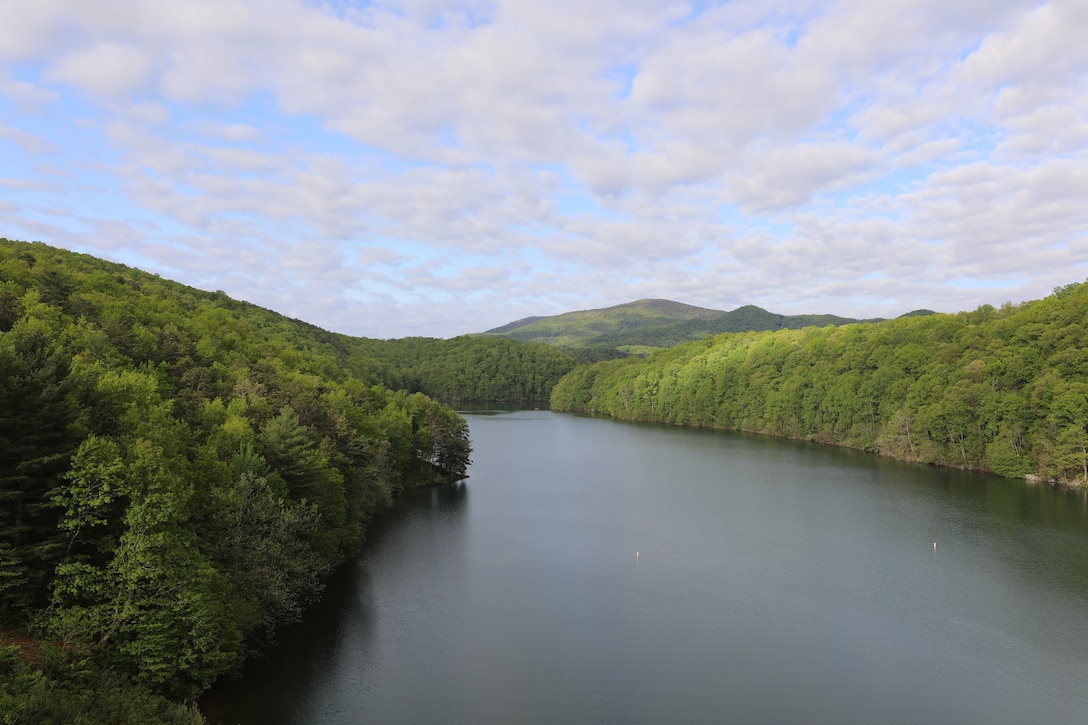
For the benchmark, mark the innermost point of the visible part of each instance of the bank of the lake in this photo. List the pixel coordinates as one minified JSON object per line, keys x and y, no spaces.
{"x":998,"y":390}
{"x":774,"y":581}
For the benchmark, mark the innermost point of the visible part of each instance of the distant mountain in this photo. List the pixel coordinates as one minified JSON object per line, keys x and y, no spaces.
{"x":645,"y":325}
{"x":632,"y":315}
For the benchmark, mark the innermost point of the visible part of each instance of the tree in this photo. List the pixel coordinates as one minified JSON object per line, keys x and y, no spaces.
{"x":156,"y":609}
{"x":292,"y":454}
{"x":262,"y":544}
{"x":1069,"y":416}
{"x":37,"y":437}
{"x":94,"y":486}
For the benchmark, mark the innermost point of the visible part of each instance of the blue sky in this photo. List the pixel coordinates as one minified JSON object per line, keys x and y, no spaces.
{"x":424,"y":167}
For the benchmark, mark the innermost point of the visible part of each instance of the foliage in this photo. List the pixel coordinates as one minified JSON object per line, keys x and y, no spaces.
{"x":58,"y":692}
{"x":469,"y":368}
{"x":37,"y":434}
{"x":178,"y":471}
{"x":1004,"y":390}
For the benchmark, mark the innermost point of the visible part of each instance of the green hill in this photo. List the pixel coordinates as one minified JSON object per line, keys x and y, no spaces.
{"x":630,"y":315}
{"x":1002,"y":390}
{"x":179,"y":470}
{"x":646,"y":325}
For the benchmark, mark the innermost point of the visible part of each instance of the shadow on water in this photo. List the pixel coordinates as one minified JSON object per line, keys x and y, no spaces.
{"x":268,"y":691}
{"x":778,"y":582}
{"x":500,"y":408}
{"x":1009,"y":498}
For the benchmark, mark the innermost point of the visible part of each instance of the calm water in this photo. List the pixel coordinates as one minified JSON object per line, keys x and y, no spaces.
{"x":773,"y":582}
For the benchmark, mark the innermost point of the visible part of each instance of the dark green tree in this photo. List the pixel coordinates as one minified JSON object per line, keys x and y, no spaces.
{"x":37,"y":438}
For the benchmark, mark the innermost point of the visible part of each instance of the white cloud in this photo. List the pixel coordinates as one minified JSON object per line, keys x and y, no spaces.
{"x":28,"y":97}
{"x":105,"y":69}
{"x":786,"y":176}
{"x":364,"y":167}
{"x":30,"y":144}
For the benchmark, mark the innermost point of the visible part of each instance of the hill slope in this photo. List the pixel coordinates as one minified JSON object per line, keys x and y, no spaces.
{"x":178,"y":470}
{"x":466,"y":368}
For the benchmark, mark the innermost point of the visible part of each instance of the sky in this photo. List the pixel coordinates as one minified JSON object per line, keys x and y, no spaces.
{"x":438,"y":167}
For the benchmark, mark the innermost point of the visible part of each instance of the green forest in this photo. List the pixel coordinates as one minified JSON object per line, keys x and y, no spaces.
{"x":997,"y":389}
{"x":467,"y":368}
{"x":180,"y":470}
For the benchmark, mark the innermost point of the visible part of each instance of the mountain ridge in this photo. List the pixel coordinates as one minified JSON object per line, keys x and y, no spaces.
{"x":667,"y":308}
{"x":644,"y":325}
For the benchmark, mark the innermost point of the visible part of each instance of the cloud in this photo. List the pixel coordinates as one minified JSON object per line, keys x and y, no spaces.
{"x":439,"y":167}
{"x":786,"y":176}
{"x":104,"y":69}
{"x":28,"y":97}
{"x":30,"y":144}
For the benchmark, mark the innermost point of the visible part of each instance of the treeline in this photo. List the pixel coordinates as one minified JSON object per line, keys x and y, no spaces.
{"x":178,"y":471}
{"x":672,"y":333}
{"x":1002,"y":390}
{"x":468,"y":368}
{"x":748,"y":318}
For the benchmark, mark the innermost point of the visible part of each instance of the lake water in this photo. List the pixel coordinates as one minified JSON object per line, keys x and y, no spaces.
{"x":591,"y":571}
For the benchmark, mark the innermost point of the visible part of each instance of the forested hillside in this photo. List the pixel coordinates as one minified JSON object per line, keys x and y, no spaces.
{"x":178,"y":471}
{"x":1003,"y":390}
{"x":640,"y":327}
{"x":468,"y":368}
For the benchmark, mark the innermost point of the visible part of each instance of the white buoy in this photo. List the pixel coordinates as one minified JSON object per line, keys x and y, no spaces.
{"x":636,"y":554}
{"x":934,"y":545}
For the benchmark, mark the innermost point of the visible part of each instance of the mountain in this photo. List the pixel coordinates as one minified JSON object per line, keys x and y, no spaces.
{"x":645,"y":325}
{"x":633,"y":315}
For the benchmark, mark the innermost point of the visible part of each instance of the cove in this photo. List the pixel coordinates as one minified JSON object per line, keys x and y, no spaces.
{"x":774,"y":581}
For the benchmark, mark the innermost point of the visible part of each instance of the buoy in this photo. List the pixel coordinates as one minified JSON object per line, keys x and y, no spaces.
{"x":636,"y":554}
{"x":934,"y":545}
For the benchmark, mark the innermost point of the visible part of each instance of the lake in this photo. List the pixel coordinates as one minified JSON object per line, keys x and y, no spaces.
{"x":591,"y":571}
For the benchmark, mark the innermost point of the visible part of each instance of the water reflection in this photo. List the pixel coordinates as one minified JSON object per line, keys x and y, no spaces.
{"x":292,"y":678}
{"x":776,"y":582}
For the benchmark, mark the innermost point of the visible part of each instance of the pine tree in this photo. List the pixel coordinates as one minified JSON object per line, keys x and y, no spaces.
{"x":36,"y":442}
